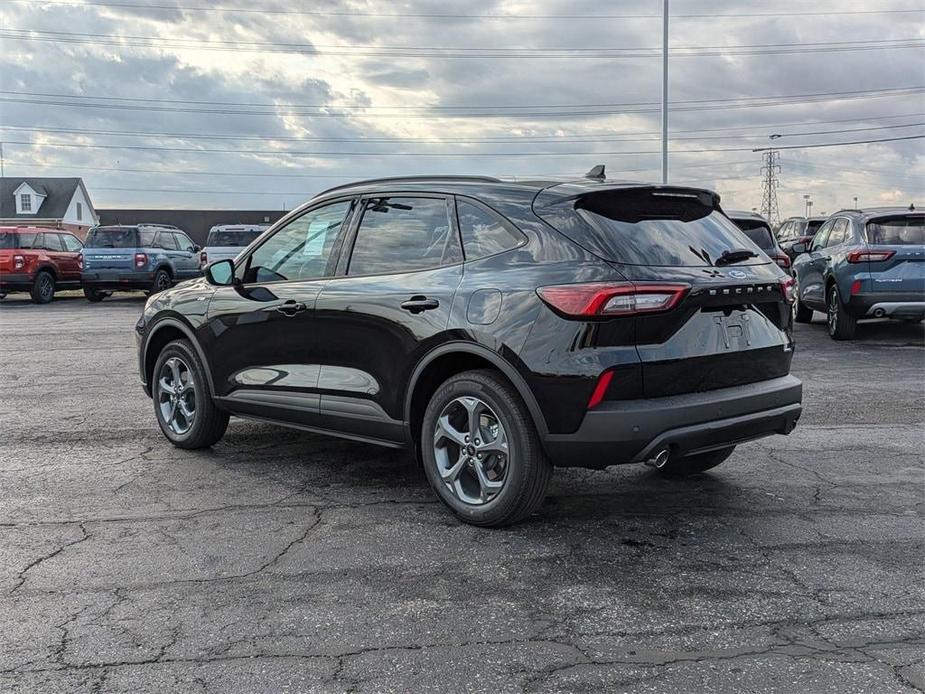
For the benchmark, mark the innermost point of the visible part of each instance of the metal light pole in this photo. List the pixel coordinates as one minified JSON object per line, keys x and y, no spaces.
{"x":808,"y":205}
{"x":665,"y":94}
{"x":855,"y":202}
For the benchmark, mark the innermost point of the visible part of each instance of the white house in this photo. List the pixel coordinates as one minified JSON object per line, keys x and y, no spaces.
{"x":61,"y":203}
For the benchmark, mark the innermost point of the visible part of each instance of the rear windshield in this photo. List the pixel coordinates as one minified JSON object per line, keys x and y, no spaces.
{"x":758,"y":232}
{"x":222,"y":237}
{"x":812,"y":226}
{"x":897,"y":231}
{"x":16,"y":239}
{"x":119,"y":237}
{"x":652,"y":228}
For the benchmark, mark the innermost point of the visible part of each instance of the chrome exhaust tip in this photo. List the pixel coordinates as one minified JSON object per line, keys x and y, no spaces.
{"x":660,"y":459}
{"x":879,"y":313}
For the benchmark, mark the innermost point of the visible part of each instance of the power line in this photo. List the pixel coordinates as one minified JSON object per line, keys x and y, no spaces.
{"x":432,"y":15}
{"x":842,"y":144}
{"x":696,"y":105}
{"x":428,"y":52}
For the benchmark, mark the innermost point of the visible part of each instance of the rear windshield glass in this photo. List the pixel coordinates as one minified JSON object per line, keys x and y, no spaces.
{"x":653,"y":228}
{"x":757,"y":231}
{"x":16,"y":239}
{"x":897,"y":231}
{"x":812,"y":226}
{"x":120,"y":237}
{"x":222,"y":237}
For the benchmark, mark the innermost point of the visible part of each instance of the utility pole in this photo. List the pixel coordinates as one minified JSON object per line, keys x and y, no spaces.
{"x":1,"y":160}
{"x":665,"y":94}
{"x":856,"y":202}
{"x":769,"y":187}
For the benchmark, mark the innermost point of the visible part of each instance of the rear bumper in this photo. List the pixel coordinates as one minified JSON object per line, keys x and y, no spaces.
{"x":15,"y":281}
{"x":887,"y":305}
{"x":633,"y":431}
{"x":117,"y":280}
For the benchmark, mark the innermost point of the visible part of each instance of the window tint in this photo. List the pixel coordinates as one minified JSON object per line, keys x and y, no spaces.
{"x":759,"y":233}
{"x":838,"y":234}
{"x":483,"y":232}
{"x":232,"y":237}
{"x":114,"y":237}
{"x":53,"y":242}
{"x":299,"y":250}
{"x":71,"y":243}
{"x":813,"y":226}
{"x":400,"y":234}
{"x":897,"y":231}
{"x":17,"y":239}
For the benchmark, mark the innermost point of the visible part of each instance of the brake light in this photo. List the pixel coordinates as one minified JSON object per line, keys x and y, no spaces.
{"x":203,"y":259}
{"x":141,"y":259}
{"x":804,"y":239}
{"x":788,"y":289}
{"x":612,"y":298}
{"x":869,"y":256}
{"x":18,"y":262}
{"x":782,"y":260}
{"x":603,"y":383}
{"x":80,"y":261}
{"x":855,"y":287}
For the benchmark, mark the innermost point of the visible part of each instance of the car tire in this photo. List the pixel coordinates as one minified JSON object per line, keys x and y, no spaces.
{"x":94,"y":295}
{"x":801,"y":312}
{"x":683,"y":466}
{"x":841,"y":325}
{"x":2,"y":295}
{"x":162,"y":281}
{"x":43,"y":288}
{"x":481,"y":451}
{"x":183,"y":404}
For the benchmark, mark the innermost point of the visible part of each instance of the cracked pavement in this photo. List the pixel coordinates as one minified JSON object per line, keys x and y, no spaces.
{"x":280,"y":561}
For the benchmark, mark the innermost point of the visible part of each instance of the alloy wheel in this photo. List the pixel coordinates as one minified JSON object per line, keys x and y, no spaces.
{"x":162,"y":282}
{"x":833,"y":311}
{"x":471,"y":450}
{"x":46,"y":286}
{"x":176,"y":395}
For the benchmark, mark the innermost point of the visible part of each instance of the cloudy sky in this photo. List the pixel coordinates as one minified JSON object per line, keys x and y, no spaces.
{"x":258,"y":104}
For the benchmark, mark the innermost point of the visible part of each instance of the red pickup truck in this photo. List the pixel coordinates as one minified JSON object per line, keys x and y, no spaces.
{"x":38,"y":261}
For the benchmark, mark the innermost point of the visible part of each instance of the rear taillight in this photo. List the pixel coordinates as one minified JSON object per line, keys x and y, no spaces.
{"x":804,"y":239}
{"x":19,"y":262}
{"x":603,"y":383}
{"x":203,"y":259}
{"x":855,"y":287}
{"x":869,"y":256}
{"x":612,"y":298}
{"x":80,"y":261}
{"x":141,"y":259}
{"x":782,"y":260}
{"x":788,"y":289}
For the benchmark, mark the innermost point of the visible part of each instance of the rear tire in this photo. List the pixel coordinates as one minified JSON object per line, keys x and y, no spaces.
{"x":43,"y":288}
{"x":841,"y":325}
{"x":693,"y":464}
{"x":801,"y":313}
{"x":94,"y":295}
{"x":485,"y":463}
{"x":183,"y":404}
{"x":162,"y":281}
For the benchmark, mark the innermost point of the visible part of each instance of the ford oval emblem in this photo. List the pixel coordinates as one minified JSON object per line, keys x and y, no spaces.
{"x":738,"y":274}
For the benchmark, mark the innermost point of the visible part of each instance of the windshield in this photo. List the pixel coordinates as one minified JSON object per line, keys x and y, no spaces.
{"x":897,"y":231}
{"x":223,"y":237}
{"x":654,"y":228}
{"x":16,"y":239}
{"x":758,"y":232}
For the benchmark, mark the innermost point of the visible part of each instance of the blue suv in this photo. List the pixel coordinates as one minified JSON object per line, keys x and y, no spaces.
{"x":149,"y":257}
{"x":863,"y":264}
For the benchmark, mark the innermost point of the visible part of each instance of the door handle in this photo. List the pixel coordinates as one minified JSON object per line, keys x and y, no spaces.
{"x":291,"y":308}
{"x":417,"y":304}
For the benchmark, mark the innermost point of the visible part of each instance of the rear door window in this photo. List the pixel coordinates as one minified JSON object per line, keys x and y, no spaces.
{"x":167,"y":241}
{"x":896,"y":231}
{"x":483,"y":232}
{"x":402,"y":234}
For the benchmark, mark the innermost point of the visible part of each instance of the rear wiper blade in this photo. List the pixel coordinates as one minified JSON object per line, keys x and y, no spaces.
{"x":735,"y":255}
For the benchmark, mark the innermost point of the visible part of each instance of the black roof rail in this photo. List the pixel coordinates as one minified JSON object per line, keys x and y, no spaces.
{"x":155,"y":224}
{"x":412,"y":179}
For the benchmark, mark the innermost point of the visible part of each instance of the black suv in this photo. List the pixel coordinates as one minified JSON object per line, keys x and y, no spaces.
{"x":496,"y":328}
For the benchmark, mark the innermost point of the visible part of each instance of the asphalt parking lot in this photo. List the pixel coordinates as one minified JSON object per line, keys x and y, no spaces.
{"x":281,"y":561}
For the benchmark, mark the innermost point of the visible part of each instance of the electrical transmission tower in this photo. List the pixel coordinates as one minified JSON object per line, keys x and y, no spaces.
{"x":769,"y":185}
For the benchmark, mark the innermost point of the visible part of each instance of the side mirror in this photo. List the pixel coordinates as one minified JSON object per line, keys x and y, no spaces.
{"x":221,"y":273}
{"x":195,"y":249}
{"x":798,"y":248}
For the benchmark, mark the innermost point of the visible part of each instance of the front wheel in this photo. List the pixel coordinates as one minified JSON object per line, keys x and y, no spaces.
{"x":692,"y":464}
{"x":841,"y":324}
{"x":481,"y":451}
{"x":182,"y":402}
{"x":43,"y":288}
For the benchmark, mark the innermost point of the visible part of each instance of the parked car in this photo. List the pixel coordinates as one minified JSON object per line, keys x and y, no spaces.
{"x":759,"y":231}
{"x":797,"y":230}
{"x":38,"y":261}
{"x":495,"y":328}
{"x":227,"y":240}
{"x":863,"y":264}
{"x":150,"y":257}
